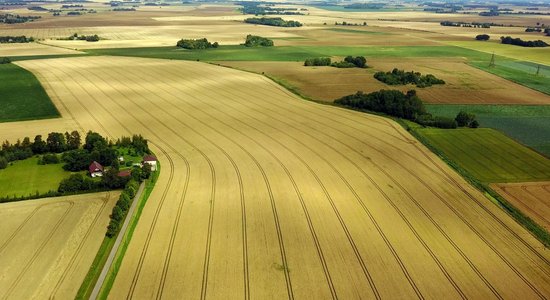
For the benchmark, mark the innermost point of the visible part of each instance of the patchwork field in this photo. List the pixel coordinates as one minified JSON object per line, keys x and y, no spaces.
{"x":489,"y":155}
{"x":464,"y":84}
{"x":263,"y":195}
{"x":528,"y":124}
{"x":47,"y":245}
{"x":532,"y":198}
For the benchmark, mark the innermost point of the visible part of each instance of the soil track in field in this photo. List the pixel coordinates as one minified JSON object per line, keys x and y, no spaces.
{"x":269,"y":196}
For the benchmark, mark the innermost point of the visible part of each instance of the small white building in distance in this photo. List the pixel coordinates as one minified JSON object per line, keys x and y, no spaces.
{"x":151,"y":160}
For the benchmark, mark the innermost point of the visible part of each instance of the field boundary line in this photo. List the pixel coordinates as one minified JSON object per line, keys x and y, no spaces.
{"x":114,"y":250}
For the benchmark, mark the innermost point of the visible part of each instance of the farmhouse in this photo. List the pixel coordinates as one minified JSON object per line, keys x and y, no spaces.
{"x":124,"y":173}
{"x":151,"y":160}
{"x":96,"y":169}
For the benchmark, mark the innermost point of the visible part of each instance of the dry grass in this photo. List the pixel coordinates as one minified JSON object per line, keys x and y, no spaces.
{"x":464,"y":84}
{"x":532,"y":198}
{"x":32,"y":49}
{"x":47,"y":245}
{"x":264,"y":195}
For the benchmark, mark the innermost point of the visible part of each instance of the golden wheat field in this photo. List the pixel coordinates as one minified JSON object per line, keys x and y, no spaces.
{"x":533,"y":198}
{"x":47,"y":245}
{"x":265,"y":196}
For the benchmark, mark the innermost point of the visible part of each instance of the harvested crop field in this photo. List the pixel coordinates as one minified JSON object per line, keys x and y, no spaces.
{"x":47,"y":245}
{"x":532,"y":198}
{"x":263,"y":195}
{"x":32,"y":49}
{"x":464,"y":84}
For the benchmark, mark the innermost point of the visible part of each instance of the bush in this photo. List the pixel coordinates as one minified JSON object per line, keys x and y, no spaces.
{"x":439,"y":122}
{"x":76,"y":183}
{"x":5,"y":60}
{"x":318,"y":61}
{"x":49,"y":159}
{"x":3,"y":163}
{"x":342,"y":64}
{"x":465,"y":119}
{"x":483,"y":37}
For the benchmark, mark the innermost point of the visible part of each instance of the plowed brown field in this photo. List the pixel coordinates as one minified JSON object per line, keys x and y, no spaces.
{"x":264,"y":196}
{"x":533,"y":198}
{"x":48,"y":245}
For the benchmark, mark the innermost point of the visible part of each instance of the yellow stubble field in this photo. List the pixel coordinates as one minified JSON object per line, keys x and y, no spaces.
{"x":48,"y":245}
{"x":262,"y":195}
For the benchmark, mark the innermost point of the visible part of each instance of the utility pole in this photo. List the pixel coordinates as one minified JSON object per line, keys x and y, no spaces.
{"x":492,"y":63}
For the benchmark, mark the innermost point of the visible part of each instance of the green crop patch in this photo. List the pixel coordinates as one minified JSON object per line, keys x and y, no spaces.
{"x":489,"y":155}
{"x":528,"y":124}
{"x":22,"y":97}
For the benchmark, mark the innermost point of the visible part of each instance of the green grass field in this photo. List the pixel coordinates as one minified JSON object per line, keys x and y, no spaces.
{"x":489,"y":155}
{"x":538,"y":55}
{"x":26,"y":177}
{"x":528,"y":124}
{"x":22,"y":97}
{"x":292,"y":53}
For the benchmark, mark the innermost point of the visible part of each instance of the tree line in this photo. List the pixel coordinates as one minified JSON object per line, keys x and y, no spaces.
{"x":519,"y":42}
{"x":348,"y":62}
{"x":14,"y":19}
{"x":400,"y":77}
{"x":87,"y":38}
{"x":273,"y":22}
{"x":193,"y":44}
{"x":404,"y":105}
{"x":15,"y":39}
{"x":258,"y":8}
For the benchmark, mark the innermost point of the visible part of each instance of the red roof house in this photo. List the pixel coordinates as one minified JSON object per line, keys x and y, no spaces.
{"x":96,"y":169}
{"x":124,"y":173}
{"x":150,"y":160}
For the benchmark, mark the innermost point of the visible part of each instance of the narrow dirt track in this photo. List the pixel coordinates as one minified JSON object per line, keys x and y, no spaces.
{"x":263,"y":195}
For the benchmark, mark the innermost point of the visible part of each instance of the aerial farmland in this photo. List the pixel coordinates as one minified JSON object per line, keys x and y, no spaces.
{"x":274,"y":150}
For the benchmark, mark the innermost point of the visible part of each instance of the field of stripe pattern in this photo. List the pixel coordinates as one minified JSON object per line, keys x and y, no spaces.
{"x":263,"y":195}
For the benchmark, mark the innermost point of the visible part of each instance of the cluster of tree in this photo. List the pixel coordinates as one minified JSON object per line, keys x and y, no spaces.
{"x":13,"y":19}
{"x":533,"y":29}
{"x":483,"y":37}
{"x":56,"y":142}
{"x":520,"y":42}
{"x":317,"y":61}
{"x":74,"y":13}
{"x":257,"y":8}
{"x":392,"y":102}
{"x":15,"y":39}
{"x":404,"y":105}
{"x":400,"y":77}
{"x":124,"y":9}
{"x":344,"y":23}
{"x":87,"y":38}
{"x":491,"y":13}
{"x":466,"y":24}
{"x":37,"y":8}
{"x":49,"y":158}
{"x":196,"y":44}
{"x":351,"y":62}
{"x":464,"y":119}
{"x":5,"y":60}
{"x":67,"y":6}
{"x":254,"y":41}
{"x":121,"y":208}
{"x":273,"y":22}
{"x":365,"y":6}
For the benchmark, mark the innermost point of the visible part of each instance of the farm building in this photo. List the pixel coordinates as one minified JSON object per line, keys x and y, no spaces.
{"x":96,"y":169}
{"x":151,"y":160}
{"x":124,"y":173}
